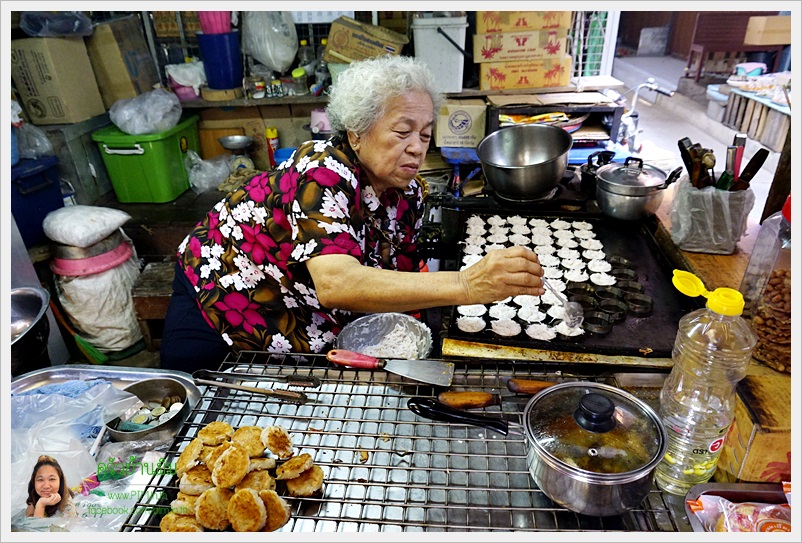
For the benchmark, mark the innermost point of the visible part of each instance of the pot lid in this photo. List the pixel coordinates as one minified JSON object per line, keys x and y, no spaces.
{"x":632,"y":178}
{"x":594,"y":428}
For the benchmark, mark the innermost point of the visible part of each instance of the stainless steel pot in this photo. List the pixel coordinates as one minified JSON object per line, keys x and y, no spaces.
{"x":30,"y":329}
{"x":632,"y":190}
{"x":593,"y":448}
{"x":524,"y":163}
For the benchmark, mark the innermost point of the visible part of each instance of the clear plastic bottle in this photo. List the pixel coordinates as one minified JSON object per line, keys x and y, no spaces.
{"x":321,"y":68}
{"x":711,"y":354}
{"x":306,"y":58}
{"x":766,"y":287}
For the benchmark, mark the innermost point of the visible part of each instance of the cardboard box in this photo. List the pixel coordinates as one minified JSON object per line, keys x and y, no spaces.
{"x":525,"y":74}
{"x":774,"y":30}
{"x":514,"y":21}
{"x":121,"y":60}
{"x":461,"y":123}
{"x":165,"y":23}
{"x":350,"y":40}
{"x":55,"y":80}
{"x":525,"y":45}
{"x":758,"y":446}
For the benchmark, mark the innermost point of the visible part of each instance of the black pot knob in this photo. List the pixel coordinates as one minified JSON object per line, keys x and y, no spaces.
{"x":595,"y":413}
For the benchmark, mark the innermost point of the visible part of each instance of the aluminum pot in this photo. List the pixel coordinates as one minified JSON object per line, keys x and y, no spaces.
{"x":525,"y":162}
{"x":593,"y":448}
{"x":632,"y":190}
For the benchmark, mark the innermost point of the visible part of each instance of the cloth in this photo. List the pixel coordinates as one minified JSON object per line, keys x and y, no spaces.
{"x":245,"y":261}
{"x":71,"y":389}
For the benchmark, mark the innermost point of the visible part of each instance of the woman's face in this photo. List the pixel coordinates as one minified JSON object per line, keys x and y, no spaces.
{"x":393,"y":150}
{"x":47,"y":481}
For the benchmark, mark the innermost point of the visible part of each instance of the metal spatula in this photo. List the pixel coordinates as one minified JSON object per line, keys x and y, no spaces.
{"x":573,"y":314}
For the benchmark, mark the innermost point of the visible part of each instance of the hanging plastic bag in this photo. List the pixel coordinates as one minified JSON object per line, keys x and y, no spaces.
{"x":270,"y":38}
{"x":42,"y":24}
{"x":149,"y":113}
{"x":188,"y":74}
{"x":33,"y":142}
{"x":204,"y":175}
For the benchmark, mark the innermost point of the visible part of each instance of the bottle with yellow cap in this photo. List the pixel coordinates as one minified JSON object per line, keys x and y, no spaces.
{"x":711,"y":354}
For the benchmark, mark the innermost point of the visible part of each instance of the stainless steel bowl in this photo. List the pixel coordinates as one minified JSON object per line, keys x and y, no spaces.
{"x":30,"y":329}
{"x":150,"y":390}
{"x":367,"y":332}
{"x":524,"y":163}
{"x":235,"y":143}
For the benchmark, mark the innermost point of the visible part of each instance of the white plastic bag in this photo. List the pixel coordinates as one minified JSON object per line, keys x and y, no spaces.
{"x":189,"y":74}
{"x":81,"y":225}
{"x":149,"y":113}
{"x":709,"y":220}
{"x":270,"y":38}
{"x":33,"y":142}
{"x":204,"y":175}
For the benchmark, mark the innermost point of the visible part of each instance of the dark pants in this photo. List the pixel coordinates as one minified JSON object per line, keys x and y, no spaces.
{"x":189,"y":343}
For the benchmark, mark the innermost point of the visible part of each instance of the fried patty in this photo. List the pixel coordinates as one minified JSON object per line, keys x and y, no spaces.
{"x":257,"y":480}
{"x":172,"y":522}
{"x":216,"y":432}
{"x":196,"y":480}
{"x":218,"y":451}
{"x":278,"y":441}
{"x":184,"y":504}
{"x":261,"y":463}
{"x":250,"y":437}
{"x":278,"y":510}
{"x":307,"y":483}
{"x":189,"y":457}
{"x":294,"y":466}
{"x":246,"y":511}
{"x":231,"y":467}
{"x":211,"y":508}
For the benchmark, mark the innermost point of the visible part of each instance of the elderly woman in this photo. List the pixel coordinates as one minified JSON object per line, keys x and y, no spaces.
{"x":283,"y":263}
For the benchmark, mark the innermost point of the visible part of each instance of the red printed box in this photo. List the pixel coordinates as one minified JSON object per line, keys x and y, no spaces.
{"x":513,"y":21}
{"x":525,"y":74}
{"x":529,"y":45}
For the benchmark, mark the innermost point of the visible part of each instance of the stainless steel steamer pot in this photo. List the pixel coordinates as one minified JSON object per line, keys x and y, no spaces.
{"x":632,"y":190}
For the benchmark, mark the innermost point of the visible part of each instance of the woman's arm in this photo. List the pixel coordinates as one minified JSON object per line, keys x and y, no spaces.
{"x":342,"y":282}
{"x":29,"y":510}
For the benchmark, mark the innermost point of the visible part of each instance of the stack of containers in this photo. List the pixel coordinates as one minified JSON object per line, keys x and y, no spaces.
{"x":522,"y":49}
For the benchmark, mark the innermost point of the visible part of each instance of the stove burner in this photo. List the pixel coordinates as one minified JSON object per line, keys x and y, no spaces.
{"x":545,"y":197}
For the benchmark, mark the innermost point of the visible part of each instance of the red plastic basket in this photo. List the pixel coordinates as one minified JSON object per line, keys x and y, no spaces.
{"x":215,"y":22}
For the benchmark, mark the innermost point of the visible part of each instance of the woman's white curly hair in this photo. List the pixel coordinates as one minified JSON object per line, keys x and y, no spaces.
{"x":363,"y":90}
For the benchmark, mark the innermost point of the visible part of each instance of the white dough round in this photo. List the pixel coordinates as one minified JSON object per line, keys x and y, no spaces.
{"x":516,"y":220}
{"x":540,"y":239}
{"x":499,"y":229}
{"x":599,"y":266}
{"x":472,"y":310}
{"x":573,"y":264}
{"x":548,"y":260}
{"x":560,"y":224}
{"x":495,"y":220}
{"x":593,"y":255}
{"x":506,"y":327}
{"x":549,"y":299}
{"x":475,"y":230}
{"x":541,"y":231}
{"x":563,"y":234}
{"x":578,"y":276}
{"x":471,"y":249}
{"x":552,"y":273}
{"x":521,"y":229}
{"x":567,"y":253}
{"x":568,"y":243}
{"x":565,"y":330}
{"x":471,"y":324}
{"x":555,"y":311}
{"x":475,"y":220}
{"x":557,"y":284}
{"x":602,"y":279}
{"x":497,"y":238}
{"x":585,"y":234}
{"x":531,"y":313}
{"x":475,"y":240}
{"x":592,"y":244}
{"x":502,"y":311}
{"x":538,"y":223}
{"x":541,"y":332}
{"x":526,"y":299}
{"x":519,"y":239}
{"x":470,"y":260}
{"x":545,"y":249}
{"x":582,"y":225}
{"x":494,"y":247}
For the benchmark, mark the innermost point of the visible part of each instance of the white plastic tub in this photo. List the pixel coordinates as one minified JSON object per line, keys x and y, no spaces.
{"x":445,"y":60}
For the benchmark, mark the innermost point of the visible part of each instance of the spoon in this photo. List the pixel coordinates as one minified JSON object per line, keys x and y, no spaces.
{"x":573,"y":314}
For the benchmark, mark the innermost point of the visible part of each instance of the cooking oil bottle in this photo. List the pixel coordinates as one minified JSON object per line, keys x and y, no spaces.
{"x":711,"y":354}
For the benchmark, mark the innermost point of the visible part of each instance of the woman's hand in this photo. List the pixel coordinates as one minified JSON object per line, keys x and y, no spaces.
{"x":503,"y":273}
{"x":43,"y":502}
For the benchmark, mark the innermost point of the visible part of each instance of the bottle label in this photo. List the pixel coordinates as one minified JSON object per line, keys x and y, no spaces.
{"x":715,"y":445}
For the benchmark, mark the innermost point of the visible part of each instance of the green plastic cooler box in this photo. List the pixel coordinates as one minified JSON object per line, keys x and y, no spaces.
{"x":148,"y":167}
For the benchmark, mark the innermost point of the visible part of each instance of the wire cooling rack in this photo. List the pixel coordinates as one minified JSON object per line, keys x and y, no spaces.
{"x":385,"y":468}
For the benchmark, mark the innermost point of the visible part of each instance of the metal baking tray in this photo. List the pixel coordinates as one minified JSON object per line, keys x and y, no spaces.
{"x":644,"y":337}
{"x":386,"y":469}
{"x":736,"y":493}
{"x":120,"y":377}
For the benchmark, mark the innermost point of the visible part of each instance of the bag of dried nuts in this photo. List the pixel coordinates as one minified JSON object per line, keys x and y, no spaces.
{"x":766,"y":288}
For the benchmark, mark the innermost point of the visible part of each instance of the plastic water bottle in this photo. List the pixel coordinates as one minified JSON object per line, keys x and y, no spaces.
{"x":321,"y":69}
{"x":307,"y":58}
{"x":711,"y":354}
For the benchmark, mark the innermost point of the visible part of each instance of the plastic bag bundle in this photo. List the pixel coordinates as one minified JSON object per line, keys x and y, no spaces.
{"x":42,"y":24}
{"x":205,"y":175}
{"x":149,"y":113}
{"x":270,"y":38}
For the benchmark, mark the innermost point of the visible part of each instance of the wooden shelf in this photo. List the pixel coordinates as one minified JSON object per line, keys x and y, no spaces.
{"x":250,"y":102}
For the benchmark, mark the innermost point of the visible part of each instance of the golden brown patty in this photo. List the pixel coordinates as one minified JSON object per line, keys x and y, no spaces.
{"x":172,"y":522}
{"x":246,"y":511}
{"x":189,"y":457}
{"x":307,"y":483}
{"x":207,"y":451}
{"x":196,"y":480}
{"x":294,"y":466}
{"x":216,"y":432}
{"x":278,"y":441}
{"x":257,"y":480}
{"x":250,"y":437}
{"x":231,"y":467}
{"x":278,"y":510}
{"x":217,"y":453}
{"x":184,"y":504}
{"x":211,"y":508}
{"x":261,"y":463}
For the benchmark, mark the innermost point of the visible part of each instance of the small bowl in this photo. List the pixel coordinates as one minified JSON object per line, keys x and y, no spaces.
{"x":630,"y":287}
{"x":639,"y":304}
{"x":615,"y":308}
{"x":574,"y":288}
{"x":609,"y":293}
{"x":235,"y":143}
{"x":621,"y":262}
{"x":153,"y":390}
{"x":365,"y":333}
{"x":597,"y":322}
{"x":624,"y":274}
{"x":588,"y":303}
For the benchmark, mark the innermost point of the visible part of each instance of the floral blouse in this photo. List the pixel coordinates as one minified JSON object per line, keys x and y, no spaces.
{"x":246,"y":258}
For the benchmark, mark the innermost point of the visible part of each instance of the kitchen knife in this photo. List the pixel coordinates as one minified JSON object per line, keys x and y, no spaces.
{"x":751,"y":168}
{"x":467,"y":399}
{"x":684,"y":151}
{"x":434,"y":372}
{"x":739,"y":142}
